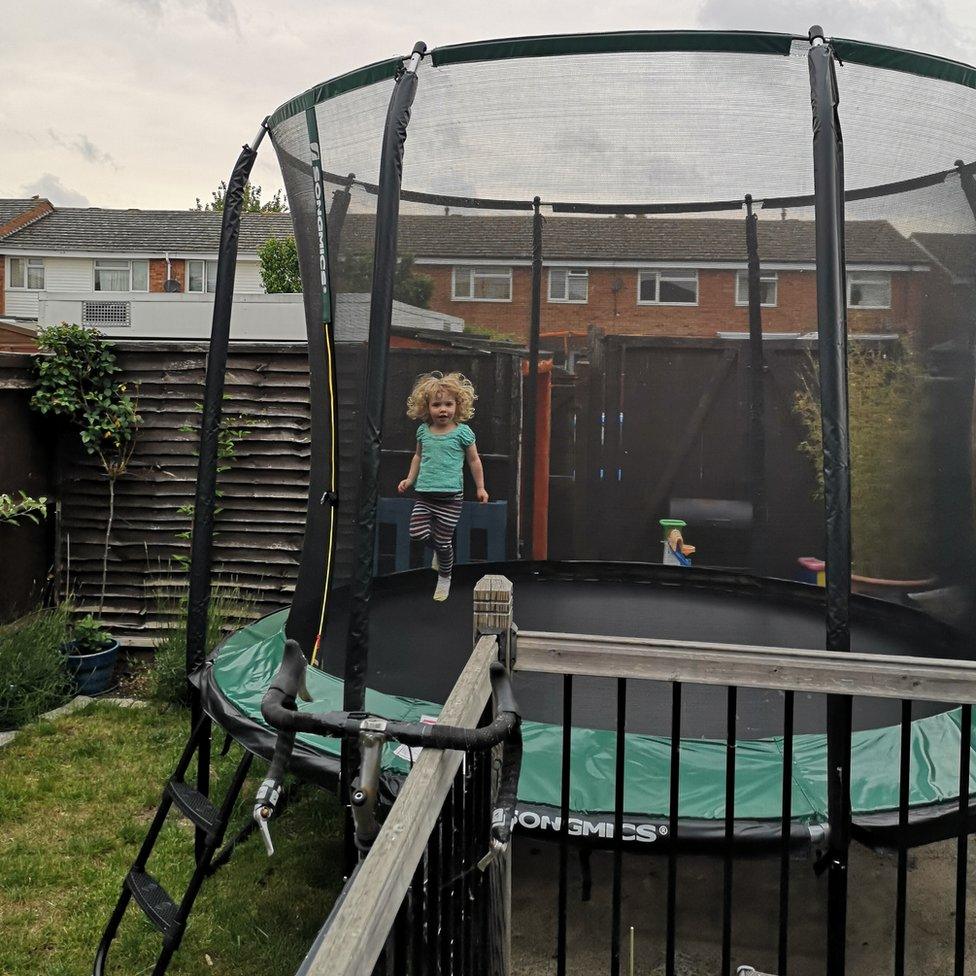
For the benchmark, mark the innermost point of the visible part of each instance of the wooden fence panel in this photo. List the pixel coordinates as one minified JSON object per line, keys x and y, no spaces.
{"x":261,"y":522}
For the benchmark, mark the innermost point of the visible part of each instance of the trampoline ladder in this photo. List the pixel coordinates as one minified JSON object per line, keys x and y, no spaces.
{"x":158,"y":906}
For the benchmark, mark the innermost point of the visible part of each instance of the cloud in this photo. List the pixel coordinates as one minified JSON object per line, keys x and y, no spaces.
{"x":919,"y":25}
{"x":51,"y":187}
{"x":221,"y":12}
{"x":82,"y":145}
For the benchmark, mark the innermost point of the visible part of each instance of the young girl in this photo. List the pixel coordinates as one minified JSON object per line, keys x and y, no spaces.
{"x":442,"y":404}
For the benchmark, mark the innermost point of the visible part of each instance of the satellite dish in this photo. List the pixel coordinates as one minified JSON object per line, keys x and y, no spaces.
{"x":172,"y":285}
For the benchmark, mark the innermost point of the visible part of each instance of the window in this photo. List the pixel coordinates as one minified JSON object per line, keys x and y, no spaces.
{"x":472,"y":284}
{"x":27,"y":273}
{"x":112,"y":274}
{"x":568,"y":284}
{"x":201,"y":276}
{"x":667,"y":288}
{"x":767,"y":289}
{"x":868,"y":289}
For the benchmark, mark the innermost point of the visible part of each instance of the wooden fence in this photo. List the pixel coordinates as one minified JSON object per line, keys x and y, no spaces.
{"x":264,"y":485}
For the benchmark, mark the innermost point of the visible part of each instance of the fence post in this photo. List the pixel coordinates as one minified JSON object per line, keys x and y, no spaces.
{"x":493,"y":600}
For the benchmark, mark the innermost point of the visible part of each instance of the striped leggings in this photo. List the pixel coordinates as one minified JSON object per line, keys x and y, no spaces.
{"x":432,"y":522}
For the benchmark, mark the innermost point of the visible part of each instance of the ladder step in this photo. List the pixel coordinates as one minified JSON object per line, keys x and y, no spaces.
{"x":151,"y":897}
{"x":194,"y":805}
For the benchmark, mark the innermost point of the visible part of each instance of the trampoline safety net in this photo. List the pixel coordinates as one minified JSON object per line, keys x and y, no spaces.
{"x":648,"y":401}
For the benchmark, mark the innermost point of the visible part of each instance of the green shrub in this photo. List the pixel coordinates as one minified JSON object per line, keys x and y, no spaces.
{"x":229,"y":609}
{"x":891,"y":478}
{"x":13,"y":509}
{"x":33,"y":678}
{"x":88,"y":636}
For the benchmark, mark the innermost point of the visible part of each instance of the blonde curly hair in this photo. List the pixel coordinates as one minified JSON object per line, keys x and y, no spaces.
{"x":456,"y":384}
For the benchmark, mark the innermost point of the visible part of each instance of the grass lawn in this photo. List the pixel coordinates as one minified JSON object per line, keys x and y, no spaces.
{"x":76,"y":797}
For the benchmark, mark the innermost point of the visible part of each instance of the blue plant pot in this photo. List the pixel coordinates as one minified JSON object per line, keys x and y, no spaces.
{"x":92,"y":673}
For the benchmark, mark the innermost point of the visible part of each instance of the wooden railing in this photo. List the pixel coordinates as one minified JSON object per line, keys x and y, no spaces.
{"x":418,"y":902}
{"x":745,"y":666}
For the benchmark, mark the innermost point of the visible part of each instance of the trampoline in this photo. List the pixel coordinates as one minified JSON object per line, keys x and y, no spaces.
{"x":640,"y":295}
{"x":408,"y":682}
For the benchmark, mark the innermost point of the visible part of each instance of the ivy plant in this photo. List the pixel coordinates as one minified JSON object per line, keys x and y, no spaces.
{"x":231,"y":432}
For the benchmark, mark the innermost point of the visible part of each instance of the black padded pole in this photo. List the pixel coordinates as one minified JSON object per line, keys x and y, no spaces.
{"x":380,"y":314}
{"x":306,"y":617}
{"x":757,"y":398}
{"x":828,"y":171}
{"x":205,"y":500}
{"x":529,"y":410}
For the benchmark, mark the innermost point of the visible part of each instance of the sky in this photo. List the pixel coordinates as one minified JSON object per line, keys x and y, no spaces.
{"x":145,"y":103}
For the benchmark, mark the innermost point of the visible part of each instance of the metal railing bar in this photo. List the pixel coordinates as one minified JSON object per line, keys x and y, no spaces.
{"x":901,"y":889}
{"x":674,"y":790}
{"x":618,"y":821}
{"x":446,"y":885}
{"x":564,"y":825}
{"x":730,"y":738}
{"x":962,"y":847}
{"x":749,"y":666}
{"x":785,"y":825}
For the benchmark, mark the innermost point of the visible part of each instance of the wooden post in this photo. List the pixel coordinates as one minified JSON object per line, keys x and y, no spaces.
{"x":493,"y":611}
{"x":493,"y":600}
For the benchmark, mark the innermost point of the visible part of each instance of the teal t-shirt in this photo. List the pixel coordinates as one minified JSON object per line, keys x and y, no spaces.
{"x":442,"y":458}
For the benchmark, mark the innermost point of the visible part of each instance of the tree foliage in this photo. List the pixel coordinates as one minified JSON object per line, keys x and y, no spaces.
{"x":891,"y":479}
{"x":355,"y":274}
{"x":279,"y":266}
{"x":77,"y":379}
{"x":252,"y":200}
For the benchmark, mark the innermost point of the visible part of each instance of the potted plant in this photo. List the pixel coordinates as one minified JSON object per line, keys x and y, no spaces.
{"x":90,"y":655}
{"x":892,"y":495}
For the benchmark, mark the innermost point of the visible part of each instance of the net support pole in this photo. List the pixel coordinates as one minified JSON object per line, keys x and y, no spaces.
{"x":529,"y":414}
{"x":828,"y":169}
{"x":968,"y":182}
{"x":380,"y":315}
{"x":205,"y":499}
{"x":757,"y":397}
{"x":306,"y":617}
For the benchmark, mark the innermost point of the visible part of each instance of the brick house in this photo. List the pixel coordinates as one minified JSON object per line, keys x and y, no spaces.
{"x":666,"y":276}
{"x":48,"y":249}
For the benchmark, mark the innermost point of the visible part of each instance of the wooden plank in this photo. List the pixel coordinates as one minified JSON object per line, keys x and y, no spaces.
{"x":687,"y":437}
{"x":360,"y":928}
{"x":749,"y":666}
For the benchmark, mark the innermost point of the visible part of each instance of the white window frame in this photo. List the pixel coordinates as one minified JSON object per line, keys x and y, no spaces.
{"x":118,"y":264}
{"x":577,"y":274}
{"x":28,"y":263}
{"x":204,"y":276}
{"x":872,"y":277}
{"x":770,"y":277}
{"x":475,"y":271}
{"x":675,"y":274}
